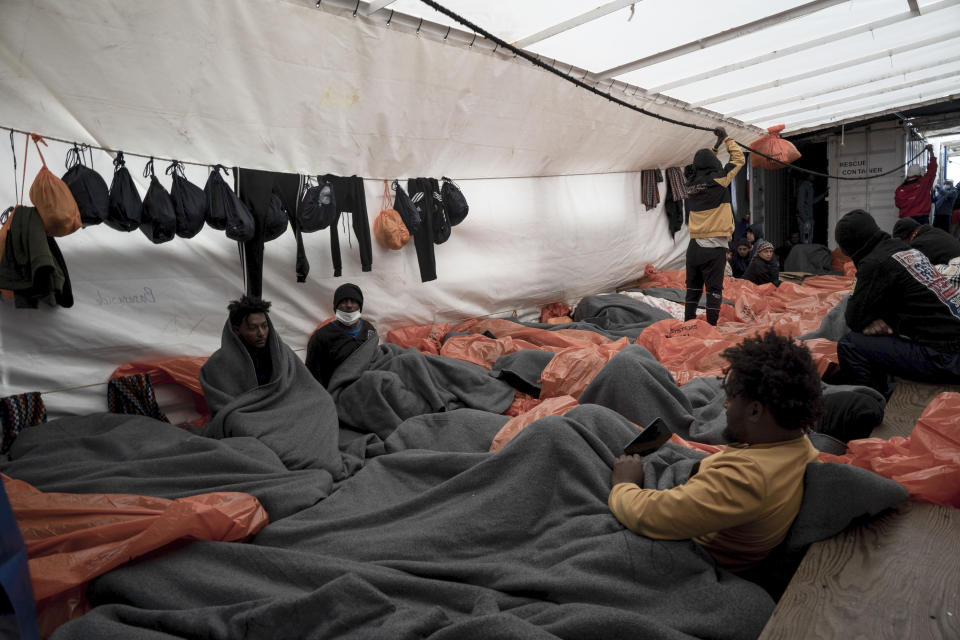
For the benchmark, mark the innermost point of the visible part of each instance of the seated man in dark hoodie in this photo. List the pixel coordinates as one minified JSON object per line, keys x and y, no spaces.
{"x":333,"y":343}
{"x":903,"y":314}
{"x":741,"y":258}
{"x":938,"y":245}
{"x":763,"y":268}
{"x":711,"y":224}
{"x":248,"y":319}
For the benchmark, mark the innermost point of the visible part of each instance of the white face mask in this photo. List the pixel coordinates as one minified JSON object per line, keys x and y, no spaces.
{"x":348,"y":318}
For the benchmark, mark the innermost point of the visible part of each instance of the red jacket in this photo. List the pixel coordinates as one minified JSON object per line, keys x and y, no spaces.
{"x":913,"y":197}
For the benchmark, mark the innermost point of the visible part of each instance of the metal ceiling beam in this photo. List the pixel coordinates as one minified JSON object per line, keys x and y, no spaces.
{"x":864,"y":113}
{"x":824,"y":70}
{"x":566,"y":25}
{"x":875,"y":92}
{"x":855,"y":120}
{"x":717,"y":38}
{"x":914,"y":7}
{"x":803,"y":46}
{"x":839,"y":87}
{"x":376,"y":5}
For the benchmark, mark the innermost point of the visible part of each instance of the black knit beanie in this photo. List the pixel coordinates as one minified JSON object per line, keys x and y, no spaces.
{"x":345,"y":291}
{"x":904,"y":227}
{"x":857,"y":234}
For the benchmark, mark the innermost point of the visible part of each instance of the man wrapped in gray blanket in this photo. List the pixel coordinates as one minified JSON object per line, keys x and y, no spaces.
{"x":256,"y":386}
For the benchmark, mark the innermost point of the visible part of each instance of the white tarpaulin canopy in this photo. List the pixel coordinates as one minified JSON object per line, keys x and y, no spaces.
{"x":551,"y":171}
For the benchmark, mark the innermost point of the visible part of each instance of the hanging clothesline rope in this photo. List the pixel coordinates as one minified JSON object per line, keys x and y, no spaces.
{"x":583,"y":85}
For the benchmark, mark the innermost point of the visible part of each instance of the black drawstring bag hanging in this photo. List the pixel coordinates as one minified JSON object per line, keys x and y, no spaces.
{"x":189,"y":202}
{"x":403,"y":205}
{"x":441,"y":225}
{"x":157,"y":218}
{"x":276,"y":219}
{"x":318,"y":208}
{"x":454,"y":203}
{"x":124,"y":204}
{"x":89,"y":189}
{"x":225,"y":211}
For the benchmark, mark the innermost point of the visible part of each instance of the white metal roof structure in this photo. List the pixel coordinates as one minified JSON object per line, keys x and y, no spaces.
{"x":803,"y":64}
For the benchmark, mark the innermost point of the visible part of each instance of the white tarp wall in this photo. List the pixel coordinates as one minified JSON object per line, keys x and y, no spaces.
{"x":550,"y":171}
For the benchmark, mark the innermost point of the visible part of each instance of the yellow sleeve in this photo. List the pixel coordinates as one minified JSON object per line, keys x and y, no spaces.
{"x":727,"y":494}
{"x":736,"y":159}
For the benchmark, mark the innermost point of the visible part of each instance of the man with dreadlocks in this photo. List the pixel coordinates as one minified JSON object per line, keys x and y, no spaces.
{"x":711,"y":224}
{"x":738,"y":503}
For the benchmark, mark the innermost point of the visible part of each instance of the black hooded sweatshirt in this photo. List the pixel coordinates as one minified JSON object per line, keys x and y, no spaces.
{"x":898,"y":285}
{"x":938,"y":245}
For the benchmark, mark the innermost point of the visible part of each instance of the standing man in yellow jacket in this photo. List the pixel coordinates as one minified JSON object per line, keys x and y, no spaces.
{"x":739,"y":503}
{"x":711,"y":224}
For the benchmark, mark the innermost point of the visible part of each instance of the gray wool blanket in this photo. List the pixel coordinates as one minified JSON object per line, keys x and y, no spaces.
{"x":441,"y":539}
{"x":292,"y":413}
{"x":380,"y":386}
{"x":117,"y":453}
{"x":612,"y":315}
{"x":638,"y":387}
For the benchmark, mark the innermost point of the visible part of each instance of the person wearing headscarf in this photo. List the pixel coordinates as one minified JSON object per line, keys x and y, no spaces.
{"x":335,"y":341}
{"x":904,"y":315}
{"x":711,"y":224}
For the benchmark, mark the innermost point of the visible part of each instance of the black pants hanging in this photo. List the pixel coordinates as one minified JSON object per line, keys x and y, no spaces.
{"x":421,"y":192}
{"x":351,"y":197}
{"x":704,"y":268}
{"x":254,"y":188}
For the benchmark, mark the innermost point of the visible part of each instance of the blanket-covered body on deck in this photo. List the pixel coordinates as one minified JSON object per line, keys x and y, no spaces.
{"x":437,"y":538}
{"x":380,"y":386}
{"x":291,"y":413}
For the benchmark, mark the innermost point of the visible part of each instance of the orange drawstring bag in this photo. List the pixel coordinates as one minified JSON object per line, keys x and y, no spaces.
{"x":388,"y":227}
{"x":775,"y":147}
{"x":51,"y":196}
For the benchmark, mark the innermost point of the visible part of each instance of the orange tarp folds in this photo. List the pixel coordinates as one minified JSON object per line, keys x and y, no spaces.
{"x":426,"y":338}
{"x":550,"y":407}
{"x":73,"y":538}
{"x":927,"y":462}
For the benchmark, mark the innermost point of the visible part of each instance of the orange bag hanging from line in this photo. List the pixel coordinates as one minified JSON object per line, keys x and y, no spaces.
{"x":51,"y":196}
{"x":388,"y":227}
{"x":775,"y":147}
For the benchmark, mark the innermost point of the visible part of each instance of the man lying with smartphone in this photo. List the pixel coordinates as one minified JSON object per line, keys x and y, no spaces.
{"x":740,"y":502}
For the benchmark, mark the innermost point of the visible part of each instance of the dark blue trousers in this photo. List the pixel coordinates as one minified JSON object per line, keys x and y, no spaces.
{"x":871,"y":360}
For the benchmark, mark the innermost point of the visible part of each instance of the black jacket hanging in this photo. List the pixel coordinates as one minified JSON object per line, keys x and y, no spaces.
{"x":88,"y":187}
{"x":189,"y":203}
{"x":318,"y":207}
{"x":421,"y":194}
{"x":441,"y":224}
{"x":124,"y":203}
{"x":157,"y":219}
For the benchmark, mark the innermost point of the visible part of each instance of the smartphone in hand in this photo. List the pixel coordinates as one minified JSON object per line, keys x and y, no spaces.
{"x":650,"y":439}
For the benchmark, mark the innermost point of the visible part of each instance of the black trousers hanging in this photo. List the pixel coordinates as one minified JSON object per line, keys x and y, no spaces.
{"x":254,"y":187}
{"x":351,"y":197}
{"x":421,"y":192}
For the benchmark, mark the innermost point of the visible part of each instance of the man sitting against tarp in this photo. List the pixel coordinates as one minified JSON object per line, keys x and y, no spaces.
{"x":938,"y":245}
{"x":256,"y":386}
{"x":711,"y":224}
{"x":763,"y":268}
{"x":333,"y":343}
{"x":903,"y":314}
{"x":739,"y":503}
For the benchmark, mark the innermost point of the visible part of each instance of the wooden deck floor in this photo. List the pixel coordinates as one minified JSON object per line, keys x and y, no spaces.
{"x":896,"y":577}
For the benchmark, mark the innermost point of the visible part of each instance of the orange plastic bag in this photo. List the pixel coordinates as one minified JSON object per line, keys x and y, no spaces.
{"x":554,"y":310}
{"x":480,"y":349}
{"x":521,"y":404}
{"x":73,"y":538}
{"x":388,"y":226}
{"x":573,"y":369}
{"x":927,"y":462}
{"x":51,"y":196}
{"x":549,"y":407}
{"x":427,"y":338}
{"x":776,"y":147}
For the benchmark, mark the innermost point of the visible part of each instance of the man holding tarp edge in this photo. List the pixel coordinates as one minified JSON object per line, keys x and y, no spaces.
{"x":711,"y":225}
